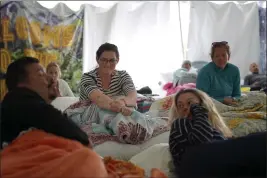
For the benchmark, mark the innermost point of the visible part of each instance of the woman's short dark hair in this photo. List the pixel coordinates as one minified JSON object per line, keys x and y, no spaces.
{"x":107,"y":47}
{"x":16,"y":71}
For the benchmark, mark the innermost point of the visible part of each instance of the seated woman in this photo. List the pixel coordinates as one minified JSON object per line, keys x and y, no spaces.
{"x":105,"y":86}
{"x":53,"y":70}
{"x":220,"y":79}
{"x":107,"y":98}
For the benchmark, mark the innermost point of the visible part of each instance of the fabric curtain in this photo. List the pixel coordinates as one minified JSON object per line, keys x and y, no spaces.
{"x":236,"y":23}
{"x":145,"y":33}
{"x":262,"y":21}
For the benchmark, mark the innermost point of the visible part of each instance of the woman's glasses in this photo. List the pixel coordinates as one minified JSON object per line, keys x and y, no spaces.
{"x":110,"y":61}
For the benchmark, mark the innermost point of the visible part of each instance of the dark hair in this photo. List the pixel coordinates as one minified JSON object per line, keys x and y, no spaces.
{"x":16,"y":71}
{"x":107,"y":47}
{"x":220,"y":44}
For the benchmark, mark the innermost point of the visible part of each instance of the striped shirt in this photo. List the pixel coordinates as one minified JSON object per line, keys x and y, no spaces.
{"x":190,"y":132}
{"x":120,"y":85}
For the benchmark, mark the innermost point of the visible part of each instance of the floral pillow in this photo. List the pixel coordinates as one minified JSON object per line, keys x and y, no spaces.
{"x":161,"y":107}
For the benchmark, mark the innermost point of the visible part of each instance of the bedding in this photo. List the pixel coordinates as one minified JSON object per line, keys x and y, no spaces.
{"x":156,"y":156}
{"x":99,"y":123}
{"x":108,"y":145}
{"x":172,"y":90}
{"x":35,"y":153}
{"x":126,"y":151}
{"x":39,"y":154}
{"x":249,"y":116}
{"x":122,"y":169}
{"x":62,"y":103}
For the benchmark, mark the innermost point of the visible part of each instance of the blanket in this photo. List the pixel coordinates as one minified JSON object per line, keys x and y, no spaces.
{"x":249,"y":116}
{"x":103,"y":125}
{"x":36,"y":153}
{"x":39,"y":154}
{"x":123,"y":169}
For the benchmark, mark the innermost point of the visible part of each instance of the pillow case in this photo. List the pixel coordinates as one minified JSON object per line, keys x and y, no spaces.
{"x":156,"y":156}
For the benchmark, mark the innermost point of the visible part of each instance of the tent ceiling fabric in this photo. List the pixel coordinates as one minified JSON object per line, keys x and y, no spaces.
{"x":76,"y":5}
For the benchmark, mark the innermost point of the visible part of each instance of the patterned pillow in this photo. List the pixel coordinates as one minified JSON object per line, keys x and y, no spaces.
{"x":161,"y":107}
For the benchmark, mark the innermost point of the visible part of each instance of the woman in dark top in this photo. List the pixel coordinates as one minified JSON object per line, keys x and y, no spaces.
{"x":194,"y":120}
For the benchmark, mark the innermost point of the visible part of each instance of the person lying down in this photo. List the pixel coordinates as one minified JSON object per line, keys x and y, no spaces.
{"x":37,"y":140}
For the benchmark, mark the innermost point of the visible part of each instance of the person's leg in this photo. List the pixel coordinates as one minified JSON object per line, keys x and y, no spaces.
{"x":244,"y":156}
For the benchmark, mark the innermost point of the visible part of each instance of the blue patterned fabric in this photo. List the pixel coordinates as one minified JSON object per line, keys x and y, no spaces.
{"x":262,"y":18}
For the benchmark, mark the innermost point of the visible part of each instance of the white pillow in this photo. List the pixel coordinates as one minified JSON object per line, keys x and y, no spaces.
{"x":62,"y":103}
{"x":127,"y":151}
{"x":156,"y":156}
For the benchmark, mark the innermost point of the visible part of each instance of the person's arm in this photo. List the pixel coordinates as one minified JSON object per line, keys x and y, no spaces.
{"x":89,"y":86}
{"x":202,"y":131}
{"x":129,"y":89}
{"x":236,"y":87}
{"x":178,"y":138}
{"x":247,"y":80}
{"x":45,"y":117}
{"x":203,"y":82}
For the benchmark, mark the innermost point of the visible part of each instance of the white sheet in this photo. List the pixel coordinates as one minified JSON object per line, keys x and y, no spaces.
{"x":126,"y":151}
{"x":236,"y":23}
{"x":62,"y":103}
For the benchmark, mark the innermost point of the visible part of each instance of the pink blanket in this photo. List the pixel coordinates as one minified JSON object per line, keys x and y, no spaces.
{"x":172,"y":90}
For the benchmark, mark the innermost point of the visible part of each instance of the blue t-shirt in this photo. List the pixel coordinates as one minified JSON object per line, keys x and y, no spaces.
{"x":219,"y":83}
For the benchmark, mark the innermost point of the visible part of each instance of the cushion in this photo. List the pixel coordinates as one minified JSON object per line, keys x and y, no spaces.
{"x":62,"y":103}
{"x":161,"y":107}
{"x":156,"y":156}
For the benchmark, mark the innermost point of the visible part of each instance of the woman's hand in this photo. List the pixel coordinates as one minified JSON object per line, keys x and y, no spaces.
{"x":126,"y":111}
{"x":116,"y":106}
{"x":229,"y":101}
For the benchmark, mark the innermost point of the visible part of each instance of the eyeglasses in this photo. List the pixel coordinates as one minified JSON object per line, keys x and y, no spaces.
{"x":220,"y":43}
{"x":110,"y":61}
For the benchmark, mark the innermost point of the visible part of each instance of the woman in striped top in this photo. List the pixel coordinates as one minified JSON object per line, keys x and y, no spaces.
{"x":194,"y":120}
{"x":107,"y":87}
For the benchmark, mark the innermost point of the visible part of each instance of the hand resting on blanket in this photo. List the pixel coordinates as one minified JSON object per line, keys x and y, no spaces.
{"x":119,"y":106}
{"x":230,"y":101}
